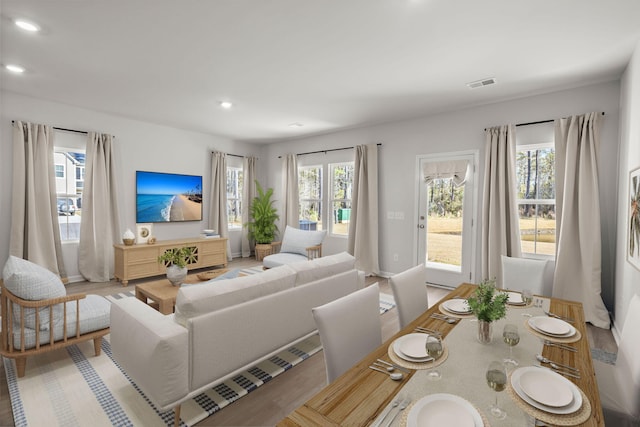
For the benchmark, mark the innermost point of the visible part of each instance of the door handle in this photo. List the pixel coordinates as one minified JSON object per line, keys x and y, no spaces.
{"x":420,"y":225}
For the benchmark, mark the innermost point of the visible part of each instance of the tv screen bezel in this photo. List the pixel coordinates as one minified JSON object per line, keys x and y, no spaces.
{"x":165,"y":175}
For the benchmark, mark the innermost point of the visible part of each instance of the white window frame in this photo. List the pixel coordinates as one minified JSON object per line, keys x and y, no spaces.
{"x":332,"y":200}
{"x":76,"y":218}
{"x":237,"y":200}
{"x":62,"y":168}
{"x":536,"y":201}
{"x":320,"y":200}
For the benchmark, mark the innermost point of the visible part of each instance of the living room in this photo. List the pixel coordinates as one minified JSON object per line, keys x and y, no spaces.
{"x":144,"y":145}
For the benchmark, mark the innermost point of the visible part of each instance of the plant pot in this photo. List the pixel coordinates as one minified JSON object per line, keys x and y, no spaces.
{"x":262,"y":250}
{"x":176,"y":275}
{"x":485,"y":331}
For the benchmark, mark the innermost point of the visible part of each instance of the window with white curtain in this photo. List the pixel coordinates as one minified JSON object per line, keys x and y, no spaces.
{"x":310,"y":197}
{"x":234,"y":197}
{"x":69,"y":162}
{"x":341,"y":175}
{"x":535,"y":178}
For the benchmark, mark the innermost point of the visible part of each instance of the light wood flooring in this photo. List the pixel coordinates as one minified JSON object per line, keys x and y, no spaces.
{"x":275,"y":400}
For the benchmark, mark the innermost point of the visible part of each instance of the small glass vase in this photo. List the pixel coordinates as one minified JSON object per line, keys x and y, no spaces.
{"x":485,"y":331}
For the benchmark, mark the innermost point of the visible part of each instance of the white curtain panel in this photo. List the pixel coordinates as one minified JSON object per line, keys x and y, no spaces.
{"x":35,"y":232}
{"x":218,"y":197}
{"x":500,"y":226}
{"x":363,"y":227}
{"x":248,"y":193}
{"x":100,"y":226}
{"x":290,"y":204}
{"x":457,"y":170}
{"x":578,"y":263}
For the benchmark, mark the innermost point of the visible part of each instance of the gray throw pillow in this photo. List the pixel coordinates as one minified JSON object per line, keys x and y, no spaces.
{"x":33,"y":282}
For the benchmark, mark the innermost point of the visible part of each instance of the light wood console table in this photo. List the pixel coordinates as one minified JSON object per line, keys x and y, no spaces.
{"x":139,"y":261}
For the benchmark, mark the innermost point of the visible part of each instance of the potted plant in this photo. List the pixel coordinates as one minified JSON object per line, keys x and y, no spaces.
{"x":262,"y":225}
{"x":488,"y":304}
{"x":176,"y":261}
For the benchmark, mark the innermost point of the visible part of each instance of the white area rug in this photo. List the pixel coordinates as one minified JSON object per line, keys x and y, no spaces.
{"x":72,"y":387}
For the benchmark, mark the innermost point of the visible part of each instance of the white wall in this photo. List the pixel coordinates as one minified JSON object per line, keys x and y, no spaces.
{"x":627,"y":278}
{"x":462,"y":130}
{"x":139,"y":146}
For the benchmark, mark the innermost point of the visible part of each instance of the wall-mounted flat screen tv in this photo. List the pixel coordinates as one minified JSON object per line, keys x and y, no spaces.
{"x":168,"y":197}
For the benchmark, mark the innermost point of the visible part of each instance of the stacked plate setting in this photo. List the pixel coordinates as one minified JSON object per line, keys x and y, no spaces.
{"x":456,"y":306}
{"x":411,"y":347}
{"x":552,"y":327}
{"x":443,"y":409}
{"x":546,"y":390}
{"x":515,"y":298}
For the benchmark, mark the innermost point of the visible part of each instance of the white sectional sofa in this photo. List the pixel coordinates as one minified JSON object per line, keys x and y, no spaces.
{"x":220,"y":329}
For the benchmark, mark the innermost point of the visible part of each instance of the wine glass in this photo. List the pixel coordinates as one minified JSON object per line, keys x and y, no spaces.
{"x":527,"y":296}
{"x":512,"y":338}
{"x":497,"y":380}
{"x":434,"y":350}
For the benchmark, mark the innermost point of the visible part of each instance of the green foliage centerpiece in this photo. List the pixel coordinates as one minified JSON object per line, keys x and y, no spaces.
{"x":176,"y":260}
{"x":488,"y":304}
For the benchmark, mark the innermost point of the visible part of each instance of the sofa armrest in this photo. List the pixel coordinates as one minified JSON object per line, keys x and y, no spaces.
{"x":314,"y":252}
{"x":275,"y":247}
{"x":153,"y":349}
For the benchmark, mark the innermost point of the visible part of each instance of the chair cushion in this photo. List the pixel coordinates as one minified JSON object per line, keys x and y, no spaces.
{"x":297,"y":241}
{"x":94,"y":315}
{"x":523,"y":273}
{"x":410,"y":292}
{"x":283,"y":258}
{"x":33,"y":282}
{"x":195,"y":300}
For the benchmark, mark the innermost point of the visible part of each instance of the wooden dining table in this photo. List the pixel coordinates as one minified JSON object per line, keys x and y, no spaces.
{"x":360,"y":395}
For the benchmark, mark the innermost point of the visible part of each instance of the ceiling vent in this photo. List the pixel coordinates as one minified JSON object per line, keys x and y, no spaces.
{"x":483,"y":82}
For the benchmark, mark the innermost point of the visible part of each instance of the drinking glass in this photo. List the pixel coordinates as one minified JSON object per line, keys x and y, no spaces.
{"x":527,"y":296}
{"x":511,"y":338}
{"x":434,"y":350}
{"x":497,"y":380}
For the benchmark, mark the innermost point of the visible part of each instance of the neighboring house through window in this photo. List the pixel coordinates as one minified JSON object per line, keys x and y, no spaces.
{"x":69,"y":168}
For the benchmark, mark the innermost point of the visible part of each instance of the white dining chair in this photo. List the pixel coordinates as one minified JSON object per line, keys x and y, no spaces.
{"x":619,"y":384}
{"x":519,"y":274}
{"x":410,"y":292}
{"x":349,"y":329}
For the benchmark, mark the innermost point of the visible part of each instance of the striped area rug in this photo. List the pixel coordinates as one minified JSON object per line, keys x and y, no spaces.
{"x":72,"y":387}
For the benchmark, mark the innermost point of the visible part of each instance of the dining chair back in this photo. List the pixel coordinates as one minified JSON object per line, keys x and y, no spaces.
{"x":619,"y":384}
{"x":410,"y":293}
{"x":349,"y":329}
{"x":522,"y":273}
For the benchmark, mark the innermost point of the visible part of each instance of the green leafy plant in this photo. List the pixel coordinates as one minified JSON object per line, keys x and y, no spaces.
{"x":488,"y":303}
{"x":262,"y":226}
{"x":176,"y":256}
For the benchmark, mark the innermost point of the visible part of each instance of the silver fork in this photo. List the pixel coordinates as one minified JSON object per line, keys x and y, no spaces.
{"x":384,"y":414}
{"x":401,"y":408}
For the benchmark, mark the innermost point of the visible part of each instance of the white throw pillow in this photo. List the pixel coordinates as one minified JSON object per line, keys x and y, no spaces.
{"x":297,"y":241}
{"x":33,"y":282}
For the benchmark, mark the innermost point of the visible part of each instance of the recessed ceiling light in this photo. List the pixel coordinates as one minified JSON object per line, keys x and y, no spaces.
{"x":15,"y":68}
{"x":226,"y":104}
{"x":296,"y":125}
{"x":27,"y":26}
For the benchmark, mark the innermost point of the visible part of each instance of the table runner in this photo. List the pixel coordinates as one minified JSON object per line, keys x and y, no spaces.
{"x":463,"y":373}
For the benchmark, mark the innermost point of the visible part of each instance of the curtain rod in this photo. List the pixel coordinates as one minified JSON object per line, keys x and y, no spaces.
{"x":84,"y":132}
{"x":229,"y":154}
{"x":326,"y":151}
{"x":537,"y":123}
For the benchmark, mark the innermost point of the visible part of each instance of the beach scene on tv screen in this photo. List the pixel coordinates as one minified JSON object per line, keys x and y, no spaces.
{"x":164,"y":197}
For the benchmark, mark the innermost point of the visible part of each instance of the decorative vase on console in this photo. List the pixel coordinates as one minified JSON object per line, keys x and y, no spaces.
{"x":488,"y":305}
{"x":176,"y":261}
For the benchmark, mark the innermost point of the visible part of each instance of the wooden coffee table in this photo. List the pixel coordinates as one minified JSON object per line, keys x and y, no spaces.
{"x":161,"y":294}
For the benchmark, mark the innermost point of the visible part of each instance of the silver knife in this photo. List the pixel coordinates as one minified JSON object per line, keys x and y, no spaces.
{"x":393,"y":365}
{"x":384,"y":413}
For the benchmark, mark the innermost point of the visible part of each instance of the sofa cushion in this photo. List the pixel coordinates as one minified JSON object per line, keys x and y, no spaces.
{"x":282,"y":258}
{"x":213,"y":295}
{"x":297,"y":241}
{"x":94,"y":315}
{"x":33,"y":282}
{"x":308,"y":271}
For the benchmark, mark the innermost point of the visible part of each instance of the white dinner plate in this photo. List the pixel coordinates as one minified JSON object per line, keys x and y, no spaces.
{"x":412,"y":347}
{"x":547,"y":389}
{"x":457,"y":306}
{"x":575,"y":405}
{"x":515,"y":298}
{"x":443,"y":409}
{"x":552,"y":326}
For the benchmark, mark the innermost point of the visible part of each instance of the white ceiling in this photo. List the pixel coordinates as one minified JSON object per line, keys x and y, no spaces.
{"x":327,"y":64}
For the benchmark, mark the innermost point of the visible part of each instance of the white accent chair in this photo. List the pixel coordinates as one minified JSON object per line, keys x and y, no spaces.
{"x":523,"y":273}
{"x":296,"y":245}
{"x":349,"y":329}
{"x":410,"y":292}
{"x":619,"y":384}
